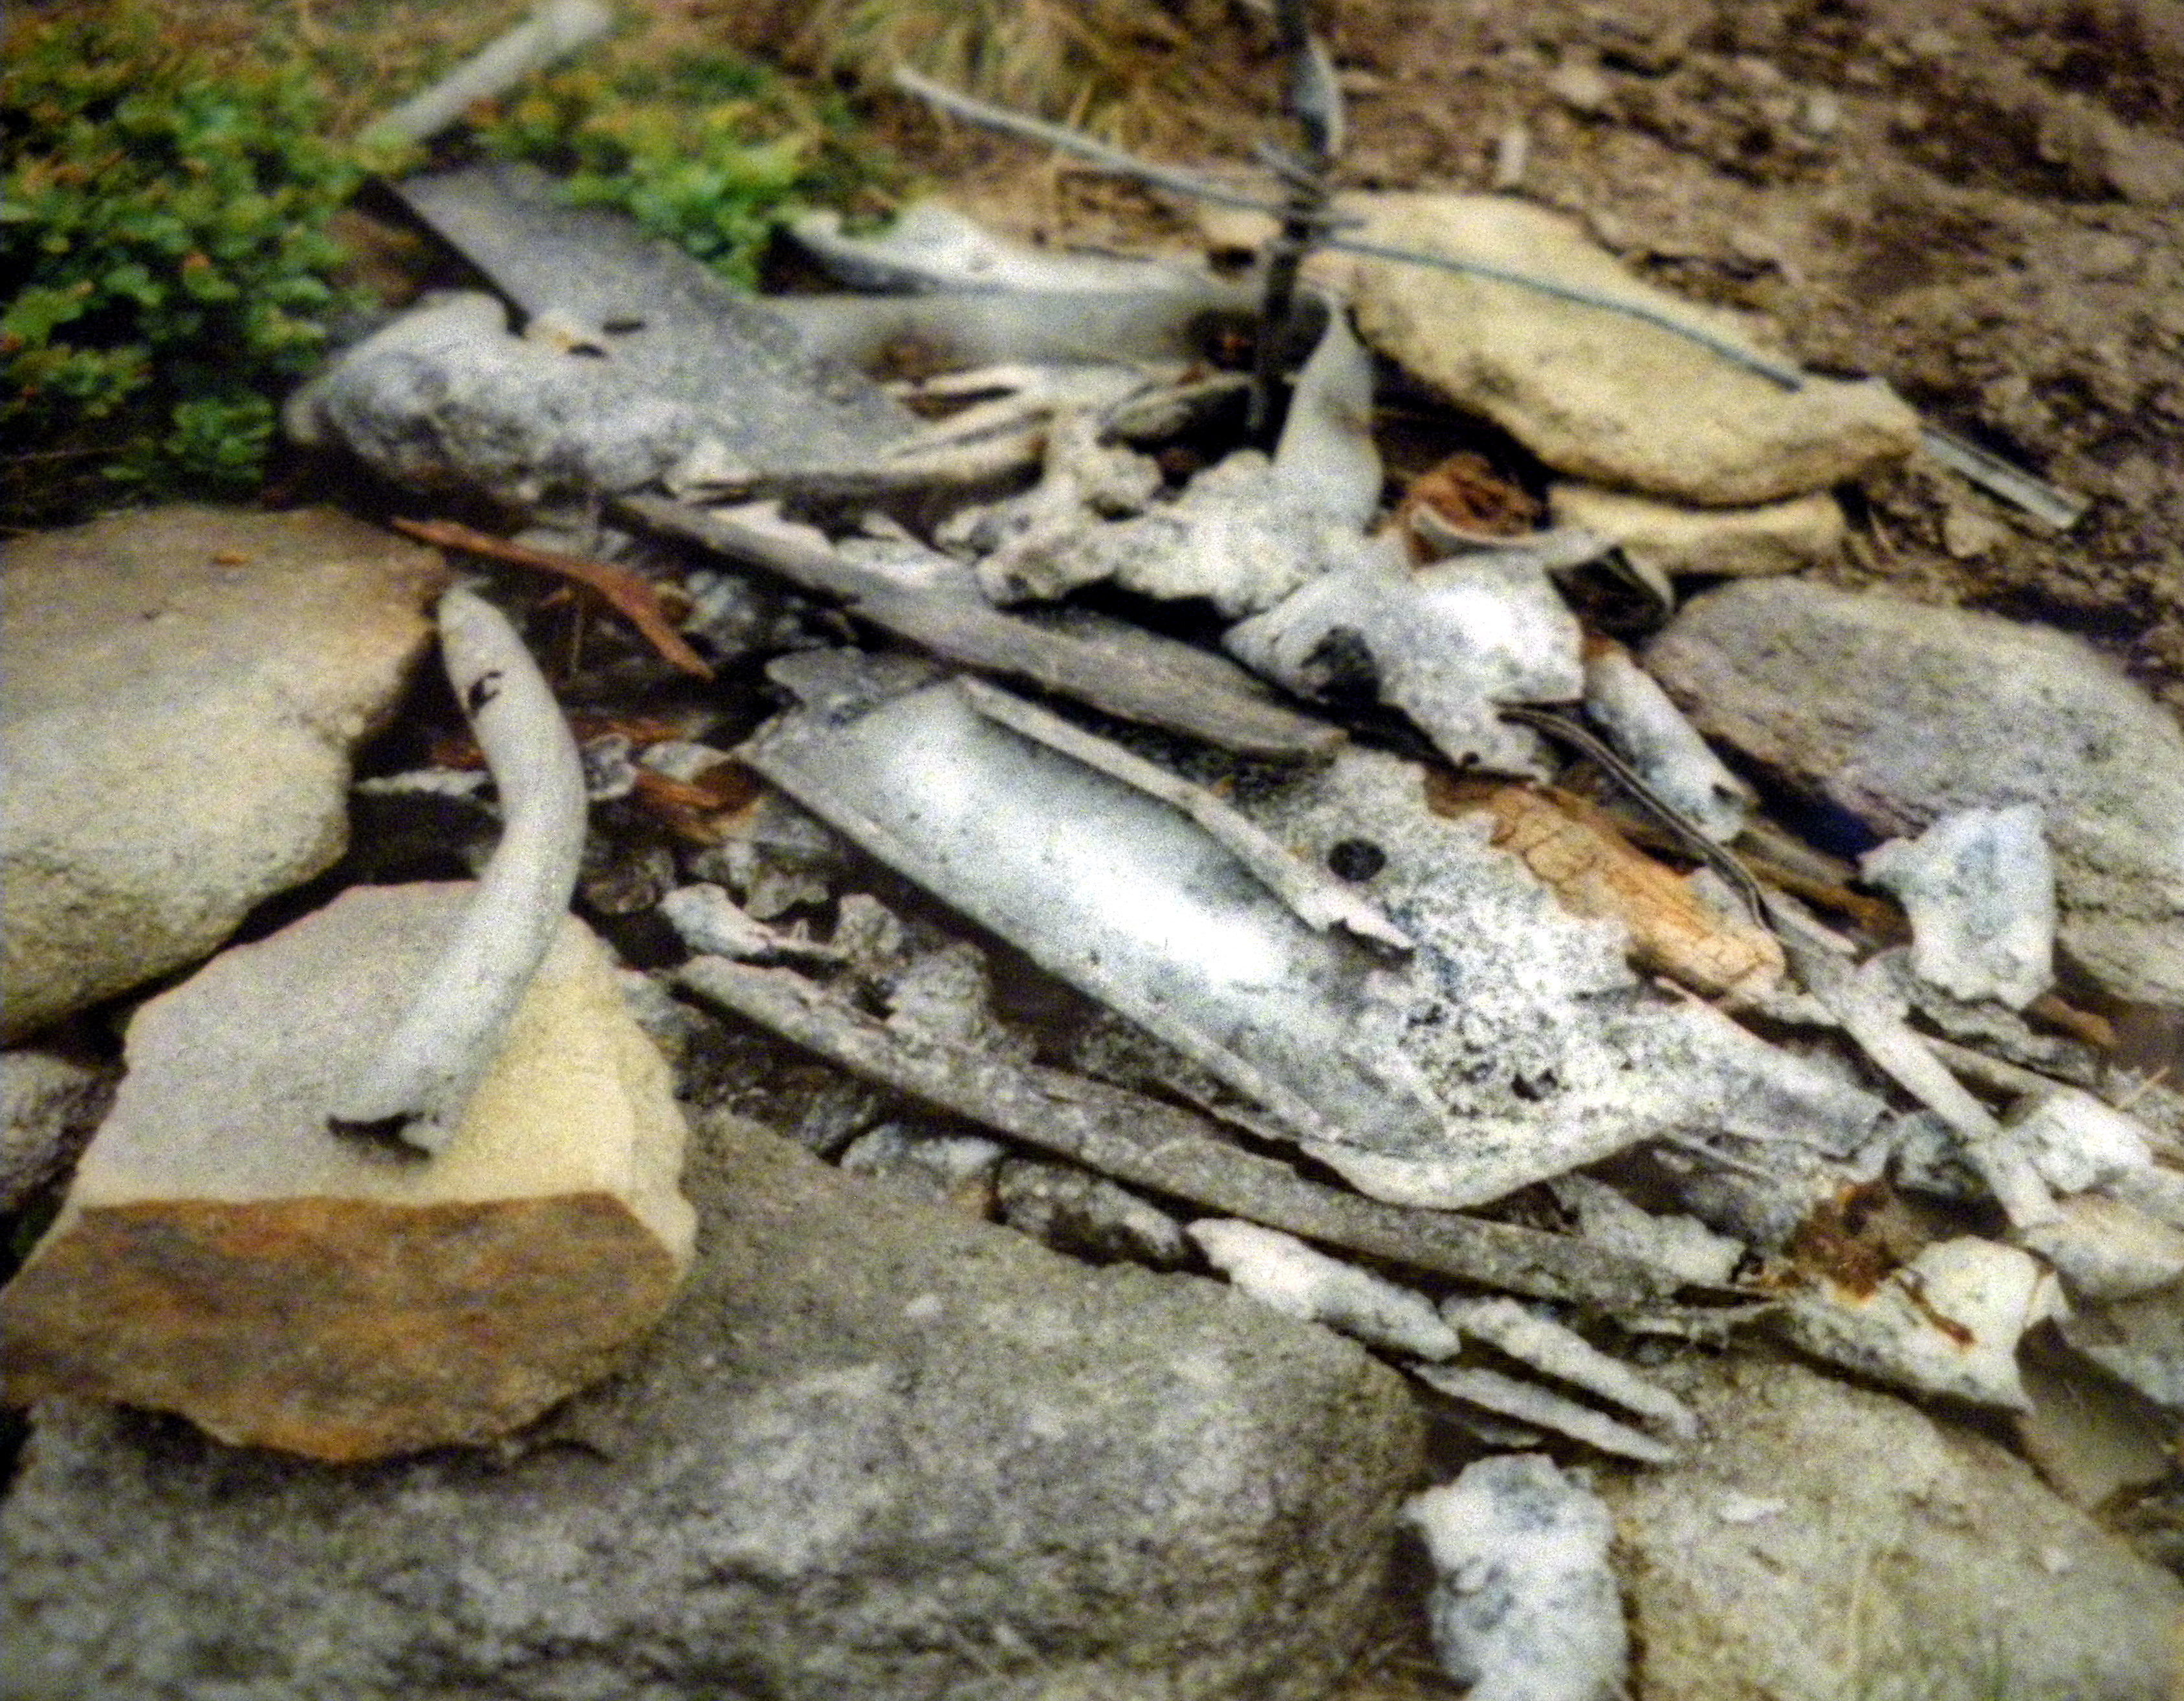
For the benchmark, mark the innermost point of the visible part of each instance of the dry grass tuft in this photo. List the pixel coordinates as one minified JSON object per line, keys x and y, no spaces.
{"x":1132,"y":71}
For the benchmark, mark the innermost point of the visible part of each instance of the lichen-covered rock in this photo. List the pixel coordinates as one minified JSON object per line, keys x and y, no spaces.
{"x":875,"y":1450}
{"x":1828,"y":1541}
{"x":179,"y":691}
{"x":1903,"y":713}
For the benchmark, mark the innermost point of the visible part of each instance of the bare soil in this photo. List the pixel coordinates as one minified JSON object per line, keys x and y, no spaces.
{"x":1983,"y":203}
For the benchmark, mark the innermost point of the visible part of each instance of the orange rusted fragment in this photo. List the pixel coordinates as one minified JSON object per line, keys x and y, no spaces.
{"x":1470,"y":495}
{"x":703,"y":810}
{"x":628,"y":593}
{"x":2087,"y":1027}
{"x":1856,"y":1240}
{"x":1574,"y":847}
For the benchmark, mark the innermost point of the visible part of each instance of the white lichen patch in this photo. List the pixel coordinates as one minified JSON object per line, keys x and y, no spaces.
{"x":1281,"y":1271}
{"x":1525,"y":1605}
{"x":1980,"y":886}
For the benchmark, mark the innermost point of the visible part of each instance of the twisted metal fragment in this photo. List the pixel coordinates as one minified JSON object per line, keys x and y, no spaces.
{"x":417,"y":1087}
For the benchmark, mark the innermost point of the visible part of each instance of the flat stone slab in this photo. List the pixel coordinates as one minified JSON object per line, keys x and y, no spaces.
{"x":1598,"y":393}
{"x":222,"y":1255}
{"x":179,"y":691}
{"x":1903,"y":713}
{"x":1828,"y":1541}
{"x":1729,"y":542}
{"x":874,"y":1450}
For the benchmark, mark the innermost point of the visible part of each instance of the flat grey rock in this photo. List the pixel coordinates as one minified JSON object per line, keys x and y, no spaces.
{"x":50,"y":1100}
{"x":179,"y":691}
{"x":874,"y":1450}
{"x":1903,"y":713}
{"x":1829,"y":1542}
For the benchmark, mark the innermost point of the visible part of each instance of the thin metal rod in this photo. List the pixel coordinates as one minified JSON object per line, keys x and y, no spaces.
{"x":1722,"y":861}
{"x":1324,"y":220}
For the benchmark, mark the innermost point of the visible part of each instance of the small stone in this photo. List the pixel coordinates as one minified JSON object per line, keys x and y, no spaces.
{"x":1727,"y":543}
{"x":1968,"y":534}
{"x":1819,"y":113}
{"x":179,"y":691}
{"x":223,"y":1255}
{"x":1581,"y":87}
{"x":1582,"y":385}
{"x":49,"y":1103}
{"x":955,"y":1169}
{"x":1088,"y":1216}
{"x":1513,"y":154}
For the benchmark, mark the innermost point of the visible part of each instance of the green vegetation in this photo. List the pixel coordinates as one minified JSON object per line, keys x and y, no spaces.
{"x":167,"y":265}
{"x":164,"y":265}
{"x":701,"y":148}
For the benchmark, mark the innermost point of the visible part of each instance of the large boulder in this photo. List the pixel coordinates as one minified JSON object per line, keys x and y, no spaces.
{"x":179,"y":691}
{"x":874,"y":1450}
{"x":1902,"y":713}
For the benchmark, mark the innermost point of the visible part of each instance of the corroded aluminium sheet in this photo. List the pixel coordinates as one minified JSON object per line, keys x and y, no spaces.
{"x":1120,"y":894}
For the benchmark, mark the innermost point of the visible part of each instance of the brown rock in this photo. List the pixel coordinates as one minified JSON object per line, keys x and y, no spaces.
{"x":1595,"y":392}
{"x":1774,"y":538}
{"x":180,"y":689}
{"x":220,"y":1254}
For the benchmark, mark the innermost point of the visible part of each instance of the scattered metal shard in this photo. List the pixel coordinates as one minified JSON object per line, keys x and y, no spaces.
{"x":1530,"y":1404}
{"x":419,"y":1085}
{"x":949,"y":331}
{"x":1149,"y":1143}
{"x":1948,"y":1322}
{"x":1980,"y":887}
{"x":932,"y":248}
{"x":1117,"y":892}
{"x":555,"y":29}
{"x":1317,"y":898}
{"x":684,"y":333}
{"x":1281,"y":1271}
{"x":2055,"y":508}
{"x":1146,"y":680}
{"x":1561,"y":1351}
{"x":1445,"y":644}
